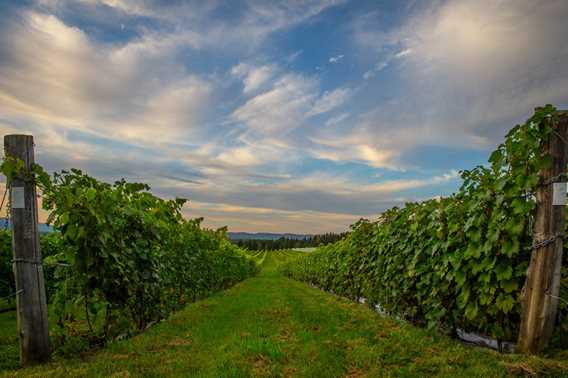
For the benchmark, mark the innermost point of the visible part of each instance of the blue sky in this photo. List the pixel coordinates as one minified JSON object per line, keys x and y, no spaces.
{"x":292,"y":116}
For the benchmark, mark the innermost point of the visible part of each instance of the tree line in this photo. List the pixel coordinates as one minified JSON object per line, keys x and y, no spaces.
{"x":289,"y":243}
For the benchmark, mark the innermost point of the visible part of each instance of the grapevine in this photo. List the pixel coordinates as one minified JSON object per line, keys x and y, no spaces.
{"x":455,"y":262}
{"x":121,"y":258}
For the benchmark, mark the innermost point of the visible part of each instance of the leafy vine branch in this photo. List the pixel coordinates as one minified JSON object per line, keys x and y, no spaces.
{"x":455,"y":262}
{"x":122,"y":256}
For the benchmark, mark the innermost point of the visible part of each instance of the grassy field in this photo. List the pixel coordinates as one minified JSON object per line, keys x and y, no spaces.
{"x":307,"y":249}
{"x":271,"y":326}
{"x":9,"y":351}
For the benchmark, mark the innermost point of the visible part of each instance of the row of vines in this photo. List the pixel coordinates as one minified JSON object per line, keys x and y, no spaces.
{"x":458,"y":262}
{"x":121,"y":258}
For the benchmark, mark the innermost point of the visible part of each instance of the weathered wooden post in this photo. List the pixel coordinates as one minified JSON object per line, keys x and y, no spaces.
{"x":540,"y":302}
{"x":27,"y":264}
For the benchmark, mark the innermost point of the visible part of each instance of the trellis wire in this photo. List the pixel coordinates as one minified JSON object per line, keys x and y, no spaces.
{"x":13,"y":294}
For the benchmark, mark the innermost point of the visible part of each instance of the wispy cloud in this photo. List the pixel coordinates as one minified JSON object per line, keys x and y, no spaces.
{"x":287,"y":104}
{"x":219,"y":101}
{"x":282,"y":108}
{"x":336,"y":59}
{"x":385,"y":62}
{"x":97,"y":88}
{"x":484,"y":66}
{"x":253,"y":77}
{"x":329,"y":101}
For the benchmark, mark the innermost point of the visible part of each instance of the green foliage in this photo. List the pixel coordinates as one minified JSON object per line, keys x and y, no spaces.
{"x":270,"y":260}
{"x":458,"y":261}
{"x":289,"y":243}
{"x":49,"y":245}
{"x":271,"y":326}
{"x":123,"y":258}
{"x":7,"y":284}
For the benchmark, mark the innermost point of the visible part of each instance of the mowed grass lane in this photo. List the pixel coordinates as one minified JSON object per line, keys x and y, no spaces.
{"x":271,"y":326}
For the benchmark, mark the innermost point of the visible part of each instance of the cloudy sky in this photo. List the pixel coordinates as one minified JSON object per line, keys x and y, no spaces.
{"x":292,"y":116}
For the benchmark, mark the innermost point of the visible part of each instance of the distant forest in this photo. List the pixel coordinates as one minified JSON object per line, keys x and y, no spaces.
{"x":288,"y":243}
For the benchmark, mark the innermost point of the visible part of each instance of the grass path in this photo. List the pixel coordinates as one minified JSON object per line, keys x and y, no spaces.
{"x":273,"y":326}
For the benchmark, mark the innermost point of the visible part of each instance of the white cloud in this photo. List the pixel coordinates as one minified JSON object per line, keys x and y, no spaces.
{"x":135,"y":109}
{"x":257,"y":77}
{"x":376,"y":69}
{"x":381,"y":65}
{"x":255,"y":219}
{"x":374,"y":157}
{"x":403,"y":53}
{"x":327,"y":197}
{"x":280,"y":109}
{"x":292,"y":57}
{"x":470,"y":70}
{"x":239,"y":156}
{"x":337,"y":119}
{"x":343,"y":148}
{"x":336,"y":59}
{"x":345,"y":185}
{"x":253,"y":77}
{"x":198,"y":21}
{"x":138,"y":8}
{"x":117,"y":91}
{"x":171,"y":113}
{"x":464,"y":72}
{"x":329,"y":101}
{"x":288,"y":101}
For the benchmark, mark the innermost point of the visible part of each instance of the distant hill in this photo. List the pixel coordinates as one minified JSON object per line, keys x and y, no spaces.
{"x":43,"y":228}
{"x":264,"y":236}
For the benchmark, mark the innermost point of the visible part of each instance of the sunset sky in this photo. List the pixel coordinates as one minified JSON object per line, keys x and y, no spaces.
{"x":291,"y":116}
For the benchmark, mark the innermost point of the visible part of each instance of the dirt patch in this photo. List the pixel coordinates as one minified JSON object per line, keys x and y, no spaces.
{"x":205,"y":305}
{"x":353,"y":372}
{"x":179,"y":341}
{"x":286,"y":335}
{"x":521,"y":369}
{"x":388,"y":330}
{"x":89,"y":355}
{"x":289,"y":372}
{"x":121,"y":374}
{"x":354,"y":343}
{"x":276,"y":313}
{"x":261,"y":366}
{"x":537,"y":368}
{"x":244,"y":335}
{"x":120,"y":357}
{"x":313,"y":328}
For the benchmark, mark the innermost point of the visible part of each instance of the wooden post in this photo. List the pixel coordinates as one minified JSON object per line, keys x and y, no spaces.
{"x":540,"y":302}
{"x":27,"y":264}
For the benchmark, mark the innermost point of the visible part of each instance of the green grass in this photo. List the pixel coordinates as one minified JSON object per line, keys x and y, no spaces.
{"x":271,"y":326}
{"x":9,"y":347}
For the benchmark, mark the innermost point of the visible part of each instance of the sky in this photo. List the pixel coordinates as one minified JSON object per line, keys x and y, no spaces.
{"x":278,"y":116}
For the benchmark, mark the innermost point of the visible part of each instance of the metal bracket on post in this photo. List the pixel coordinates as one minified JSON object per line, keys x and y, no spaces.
{"x":559,"y":194}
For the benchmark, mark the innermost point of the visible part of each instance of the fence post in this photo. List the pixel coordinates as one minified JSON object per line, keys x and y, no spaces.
{"x":27,"y":264}
{"x":540,"y":301}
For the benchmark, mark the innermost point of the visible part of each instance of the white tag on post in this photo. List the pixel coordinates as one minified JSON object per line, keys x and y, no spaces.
{"x":17,"y":198}
{"x":559,"y":194}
